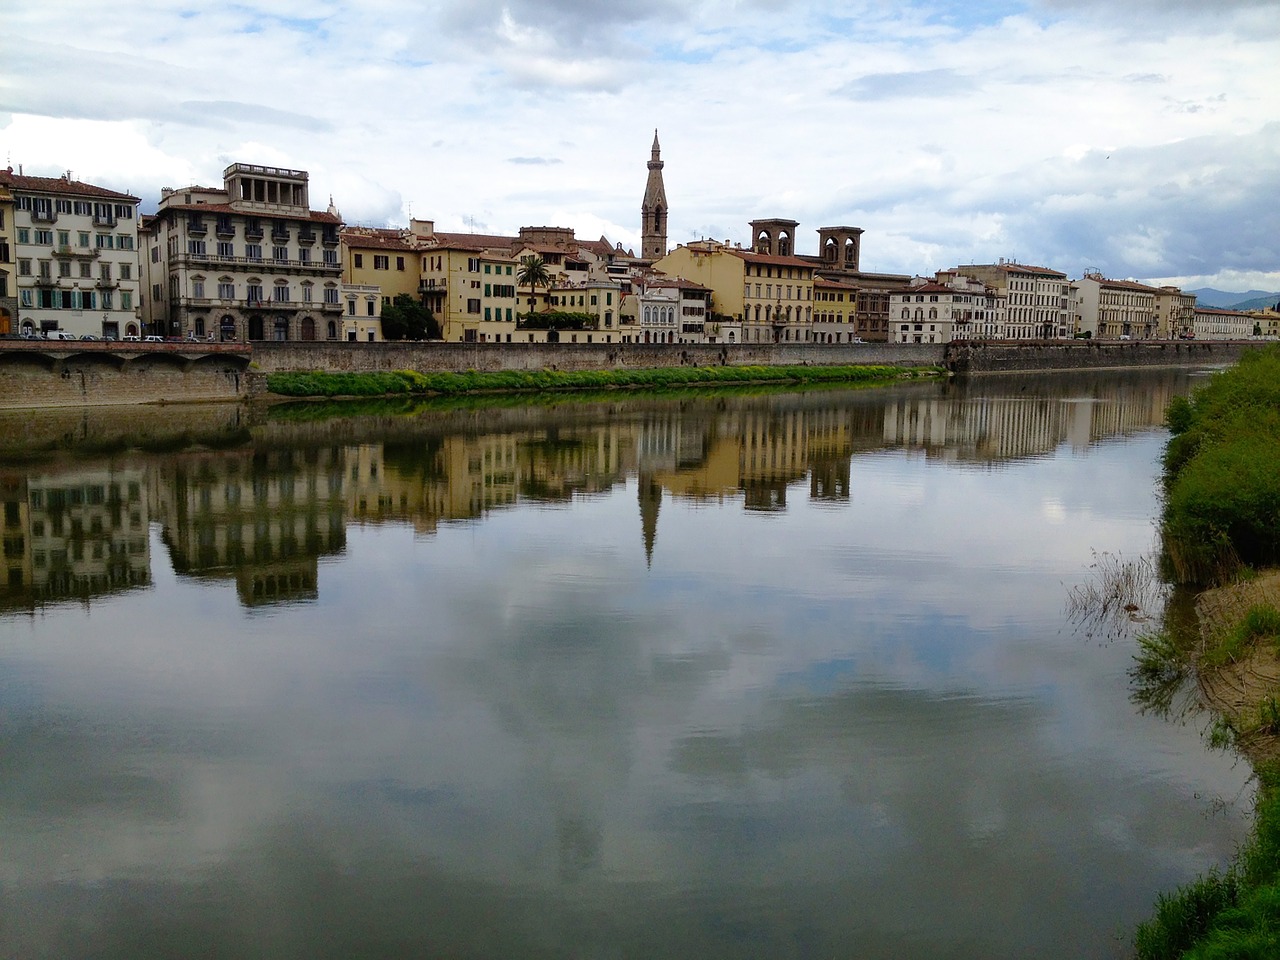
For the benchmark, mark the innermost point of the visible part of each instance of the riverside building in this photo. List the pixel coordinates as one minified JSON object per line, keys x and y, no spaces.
{"x":75,"y":257}
{"x":248,"y":261}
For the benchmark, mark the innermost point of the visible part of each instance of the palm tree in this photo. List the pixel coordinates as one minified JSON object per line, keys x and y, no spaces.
{"x":533,"y":271}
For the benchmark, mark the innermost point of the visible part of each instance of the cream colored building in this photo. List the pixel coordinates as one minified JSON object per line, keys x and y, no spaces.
{"x":950,"y":306}
{"x":383,"y":258}
{"x":76,"y":256}
{"x":1117,"y":309}
{"x":835,"y":311}
{"x":1175,"y":313}
{"x":1037,"y":301}
{"x":1214,"y":324}
{"x":247,"y":261}
{"x":362,"y":316}
{"x":471,"y":291}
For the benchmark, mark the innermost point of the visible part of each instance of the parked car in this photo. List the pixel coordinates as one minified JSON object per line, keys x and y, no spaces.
{"x":88,"y":336}
{"x":153,"y":339}
{"x":131,"y":338}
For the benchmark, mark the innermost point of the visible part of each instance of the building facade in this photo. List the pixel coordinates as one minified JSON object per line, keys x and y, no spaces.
{"x":1038,"y":301}
{"x":1175,"y":313}
{"x":248,"y":261}
{"x":75,"y":256}
{"x":8,"y":282}
{"x":1117,"y":309}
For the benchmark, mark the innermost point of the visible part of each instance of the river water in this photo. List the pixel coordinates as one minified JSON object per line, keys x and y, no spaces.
{"x":715,"y":675}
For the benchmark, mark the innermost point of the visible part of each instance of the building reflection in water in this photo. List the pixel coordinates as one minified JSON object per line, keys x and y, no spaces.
{"x":263,"y":516}
{"x":73,"y":535}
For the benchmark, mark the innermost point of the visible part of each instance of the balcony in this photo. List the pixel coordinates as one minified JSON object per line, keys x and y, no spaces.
{"x":197,"y":227}
{"x":330,"y":238}
{"x":87,"y":253}
{"x":253,"y":231}
{"x":104,"y":220}
{"x":106,"y":283}
{"x":44,"y":281}
{"x":280,"y":234}
{"x":225,"y":228}
{"x":306,"y":236}
{"x":44,"y":216}
{"x":431,"y":288}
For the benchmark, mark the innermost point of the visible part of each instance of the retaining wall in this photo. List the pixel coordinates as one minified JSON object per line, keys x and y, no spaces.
{"x":982,"y":356}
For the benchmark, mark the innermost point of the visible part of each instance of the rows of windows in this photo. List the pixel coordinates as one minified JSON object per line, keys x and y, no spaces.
{"x":76,"y":299}
{"x":44,"y":237}
{"x":48,"y":207}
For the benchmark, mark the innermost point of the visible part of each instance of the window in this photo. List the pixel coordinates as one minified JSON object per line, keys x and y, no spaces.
{"x":64,"y":238}
{"x":24,"y":268}
{"x":226,"y":289}
{"x":351,"y":307}
{"x":380,"y":261}
{"x":44,"y":238}
{"x":306,"y":293}
{"x":124,"y":211}
{"x":197,"y":287}
{"x":196,"y":248}
{"x":253,"y":251}
{"x":106,"y":300}
{"x":24,"y":235}
{"x":368,"y":307}
{"x":280,"y":254}
{"x":473,"y":264}
{"x":107,"y":242}
{"x":82,"y":208}
{"x":62,"y":206}
{"x":253,"y":292}
{"x":330,"y":293}
{"x":473,"y":306}
{"x":399,"y":263}
{"x":82,"y":238}
{"x":281,"y":292}
{"x":26,"y":297}
{"x":359,"y":259}
{"x":64,"y":268}
{"x":124,"y":242}
{"x":331,"y":258}
{"x":304,"y":254}
{"x":226,"y":249}
{"x":487,"y":290}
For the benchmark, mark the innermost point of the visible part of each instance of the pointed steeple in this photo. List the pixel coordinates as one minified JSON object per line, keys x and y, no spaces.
{"x":653,"y":211}
{"x":650,"y":496}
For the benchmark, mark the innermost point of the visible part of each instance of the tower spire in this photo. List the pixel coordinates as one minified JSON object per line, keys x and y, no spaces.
{"x":653,"y":210}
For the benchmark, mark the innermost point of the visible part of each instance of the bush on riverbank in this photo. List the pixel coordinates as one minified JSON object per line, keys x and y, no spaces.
{"x":1234,"y":914}
{"x":320,"y":384}
{"x":1222,"y":473}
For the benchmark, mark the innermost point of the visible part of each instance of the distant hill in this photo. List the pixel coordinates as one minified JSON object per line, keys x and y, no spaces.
{"x":1228,"y":300}
{"x":1258,"y":303}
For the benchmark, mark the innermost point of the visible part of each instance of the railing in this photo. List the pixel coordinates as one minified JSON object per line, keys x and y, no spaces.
{"x":225,"y":228}
{"x":65,"y":250}
{"x":430,"y":286}
{"x":252,"y":233}
{"x":306,"y":236}
{"x":44,"y":216}
{"x":258,"y":263}
{"x":198,"y":227}
{"x":104,"y":220}
{"x":106,"y":283}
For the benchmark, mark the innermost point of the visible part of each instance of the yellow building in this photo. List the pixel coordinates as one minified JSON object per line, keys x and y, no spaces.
{"x":376,"y":257}
{"x":716,"y":267}
{"x":777,"y":298}
{"x":1175,"y":313}
{"x":835,"y":311}
{"x":471,"y":291}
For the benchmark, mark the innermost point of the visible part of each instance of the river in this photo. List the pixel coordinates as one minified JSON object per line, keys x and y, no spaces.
{"x":752,"y":674}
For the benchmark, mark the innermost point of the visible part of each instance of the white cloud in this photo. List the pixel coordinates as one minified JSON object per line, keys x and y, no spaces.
{"x":1055,"y":132}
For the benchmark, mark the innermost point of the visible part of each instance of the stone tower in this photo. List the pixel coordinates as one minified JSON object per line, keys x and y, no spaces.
{"x":653,"y":211}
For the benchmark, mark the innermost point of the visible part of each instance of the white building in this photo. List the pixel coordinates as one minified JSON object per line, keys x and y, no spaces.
{"x":950,"y":306}
{"x":1038,"y":300}
{"x":1213,"y":324}
{"x":76,"y":257}
{"x":1117,"y":309}
{"x":248,"y":261}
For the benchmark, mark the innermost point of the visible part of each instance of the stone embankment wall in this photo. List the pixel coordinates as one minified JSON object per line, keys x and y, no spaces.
{"x":75,"y":377}
{"x":980,"y":356}
{"x":275,"y":357}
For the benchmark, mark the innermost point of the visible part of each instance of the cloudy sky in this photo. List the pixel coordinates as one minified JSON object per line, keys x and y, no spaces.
{"x":1137,"y":137}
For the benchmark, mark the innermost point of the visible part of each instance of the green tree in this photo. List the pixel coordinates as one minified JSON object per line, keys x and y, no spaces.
{"x":533,"y":272}
{"x":404,"y":318}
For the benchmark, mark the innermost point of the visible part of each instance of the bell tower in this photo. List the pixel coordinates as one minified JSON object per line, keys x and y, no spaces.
{"x":653,"y":211}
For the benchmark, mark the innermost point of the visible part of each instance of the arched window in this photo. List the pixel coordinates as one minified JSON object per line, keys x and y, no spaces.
{"x":933,"y":313}
{"x":906,"y":313}
{"x":227,"y":328}
{"x":280,"y":329}
{"x":333,"y":330}
{"x":308,"y":328}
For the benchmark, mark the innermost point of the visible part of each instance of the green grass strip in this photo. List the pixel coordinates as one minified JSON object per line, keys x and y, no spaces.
{"x":409,"y":382}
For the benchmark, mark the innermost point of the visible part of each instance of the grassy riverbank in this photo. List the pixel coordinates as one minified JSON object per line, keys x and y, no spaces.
{"x":411,"y":383}
{"x":1220,"y":527}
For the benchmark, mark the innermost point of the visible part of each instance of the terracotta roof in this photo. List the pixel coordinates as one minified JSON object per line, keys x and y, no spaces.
{"x":679,"y":283}
{"x":1218,"y":312}
{"x":927,"y":288}
{"x":1014,"y":268}
{"x":752,"y":257}
{"x":16,"y":181}
{"x":834,"y":284}
{"x":1125,"y":285}
{"x":478,"y":241}
{"x":371,"y":238}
